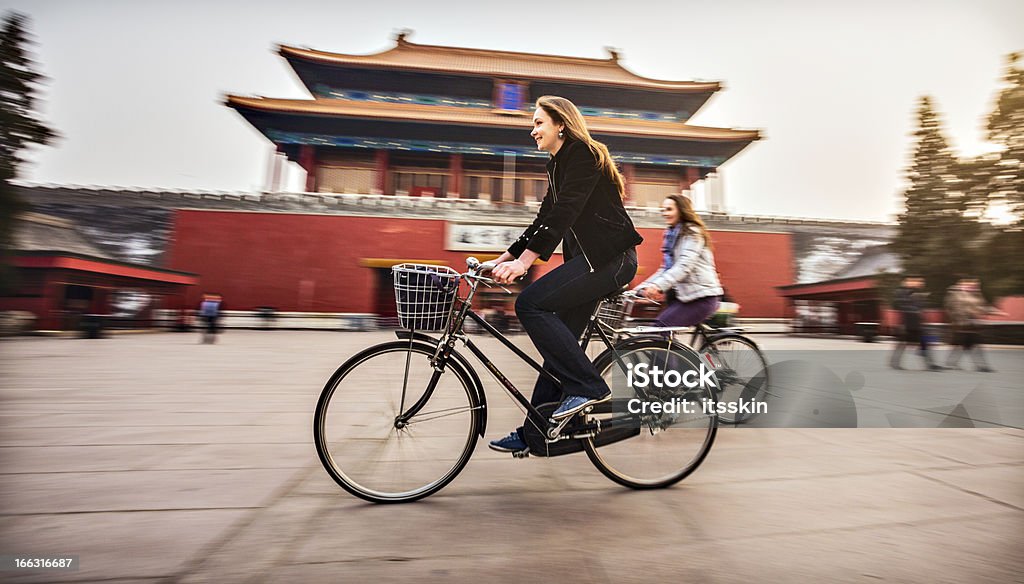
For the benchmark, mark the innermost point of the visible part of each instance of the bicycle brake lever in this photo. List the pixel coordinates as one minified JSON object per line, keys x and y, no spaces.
{"x":491,"y":284}
{"x":637,"y":298}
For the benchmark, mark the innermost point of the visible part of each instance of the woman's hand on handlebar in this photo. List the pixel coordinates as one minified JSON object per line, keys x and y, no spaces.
{"x":654,"y":294}
{"x":507,"y":272}
{"x":650,"y":293}
{"x":489,"y":265}
{"x":510,"y":268}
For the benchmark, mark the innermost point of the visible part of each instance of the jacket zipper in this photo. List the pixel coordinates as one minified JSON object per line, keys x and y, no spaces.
{"x":554,"y":192}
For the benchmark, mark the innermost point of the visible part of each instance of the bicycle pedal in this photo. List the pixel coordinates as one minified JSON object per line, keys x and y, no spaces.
{"x":558,"y":425}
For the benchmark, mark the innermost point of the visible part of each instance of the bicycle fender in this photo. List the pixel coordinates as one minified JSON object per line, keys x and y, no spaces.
{"x":478,"y":385}
{"x":631,"y":342}
{"x":406,"y":333}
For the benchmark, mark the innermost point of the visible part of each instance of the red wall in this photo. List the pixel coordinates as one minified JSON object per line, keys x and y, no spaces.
{"x":312,"y":262}
{"x":296,"y":262}
{"x":1013,"y":306}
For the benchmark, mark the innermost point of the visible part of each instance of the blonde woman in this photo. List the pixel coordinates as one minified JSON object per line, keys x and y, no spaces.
{"x":583,"y":211}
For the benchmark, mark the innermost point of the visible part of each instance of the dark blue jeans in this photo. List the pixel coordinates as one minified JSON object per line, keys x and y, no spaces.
{"x":555,"y":309}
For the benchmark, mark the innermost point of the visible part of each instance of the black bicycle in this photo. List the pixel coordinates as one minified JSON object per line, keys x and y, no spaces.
{"x":399,"y":420}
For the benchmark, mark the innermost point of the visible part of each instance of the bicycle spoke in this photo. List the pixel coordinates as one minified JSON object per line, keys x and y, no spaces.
{"x":422,"y":416}
{"x":741,"y":371}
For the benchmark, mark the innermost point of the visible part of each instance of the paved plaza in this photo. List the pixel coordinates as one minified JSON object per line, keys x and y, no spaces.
{"x":153,"y":457}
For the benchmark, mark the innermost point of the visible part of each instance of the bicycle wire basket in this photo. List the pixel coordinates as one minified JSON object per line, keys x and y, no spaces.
{"x":425,"y":295}
{"x":614,"y":313}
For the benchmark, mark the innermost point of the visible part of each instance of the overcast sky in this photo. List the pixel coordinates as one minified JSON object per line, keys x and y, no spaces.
{"x":136,"y":86}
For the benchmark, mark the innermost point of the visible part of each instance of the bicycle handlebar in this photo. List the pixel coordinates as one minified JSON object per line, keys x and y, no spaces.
{"x":632,"y":295}
{"x":474,"y":266}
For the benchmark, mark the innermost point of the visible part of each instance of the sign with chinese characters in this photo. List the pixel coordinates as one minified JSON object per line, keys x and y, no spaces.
{"x":481,"y":236}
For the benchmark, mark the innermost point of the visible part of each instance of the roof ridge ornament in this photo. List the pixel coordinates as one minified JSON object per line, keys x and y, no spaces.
{"x":401,"y":35}
{"x":614,"y":54}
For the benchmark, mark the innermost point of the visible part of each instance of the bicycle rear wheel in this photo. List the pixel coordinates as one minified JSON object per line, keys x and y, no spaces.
{"x":669,"y":446}
{"x":742,"y":374}
{"x":369,"y":450}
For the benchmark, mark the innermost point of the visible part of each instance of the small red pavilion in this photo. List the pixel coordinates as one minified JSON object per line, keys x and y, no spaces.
{"x":60,"y":276}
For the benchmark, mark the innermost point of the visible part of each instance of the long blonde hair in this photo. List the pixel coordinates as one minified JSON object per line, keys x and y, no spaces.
{"x":563,"y":111}
{"x":687,"y":216}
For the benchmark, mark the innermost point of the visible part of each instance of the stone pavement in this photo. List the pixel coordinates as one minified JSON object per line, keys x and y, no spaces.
{"x":155,"y":458}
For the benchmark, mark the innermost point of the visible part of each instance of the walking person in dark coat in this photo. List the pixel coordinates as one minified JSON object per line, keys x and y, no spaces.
{"x":210,"y":311}
{"x":909,"y":301}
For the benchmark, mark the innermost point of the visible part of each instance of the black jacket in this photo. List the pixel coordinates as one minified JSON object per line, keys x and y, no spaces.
{"x":583,"y":208}
{"x":908,"y":302}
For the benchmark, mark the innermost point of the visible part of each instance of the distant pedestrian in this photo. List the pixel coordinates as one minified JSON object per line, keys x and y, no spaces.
{"x":965,"y":308}
{"x":909,"y":300}
{"x":210,"y":312}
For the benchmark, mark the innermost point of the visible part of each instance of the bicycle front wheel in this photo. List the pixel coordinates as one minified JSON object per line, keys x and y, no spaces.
{"x":665,"y":447}
{"x":389,"y":428}
{"x":742,"y":374}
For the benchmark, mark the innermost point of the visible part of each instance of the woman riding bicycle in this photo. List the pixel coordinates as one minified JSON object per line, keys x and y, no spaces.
{"x":583,"y":210}
{"x":687,"y":277}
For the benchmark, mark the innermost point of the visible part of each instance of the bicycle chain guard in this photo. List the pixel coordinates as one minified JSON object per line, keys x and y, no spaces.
{"x":536,"y":439}
{"x":533,"y":434}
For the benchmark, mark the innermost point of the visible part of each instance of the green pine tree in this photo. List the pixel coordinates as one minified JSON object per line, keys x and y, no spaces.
{"x":936,"y":239}
{"x":1006,"y":128}
{"x":1004,"y":250}
{"x":19,"y":126}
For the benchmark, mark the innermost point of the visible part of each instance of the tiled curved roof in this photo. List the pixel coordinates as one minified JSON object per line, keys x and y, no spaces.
{"x":503,"y":64}
{"x":873,"y":261}
{"x":38,"y":232}
{"x":482,"y":117}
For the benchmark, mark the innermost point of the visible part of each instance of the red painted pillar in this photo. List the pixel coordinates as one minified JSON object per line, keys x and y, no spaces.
{"x":455,"y":175}
{"x":629,"y":177}
{"x":692,"y":176}
{"x":100,"y":303}
{"x":381,"y":184}
{"x":49,"y":317}
{"x":307,"y":160}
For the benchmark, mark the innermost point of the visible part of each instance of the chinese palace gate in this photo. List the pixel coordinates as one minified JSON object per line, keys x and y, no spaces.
{"x":454,"y":122}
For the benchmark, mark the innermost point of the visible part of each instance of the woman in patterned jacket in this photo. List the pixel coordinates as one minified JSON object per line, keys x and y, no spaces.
{"x":687,"y":280}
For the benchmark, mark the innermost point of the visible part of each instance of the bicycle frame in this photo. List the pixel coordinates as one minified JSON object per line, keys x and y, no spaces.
{"x":454,"y":331}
